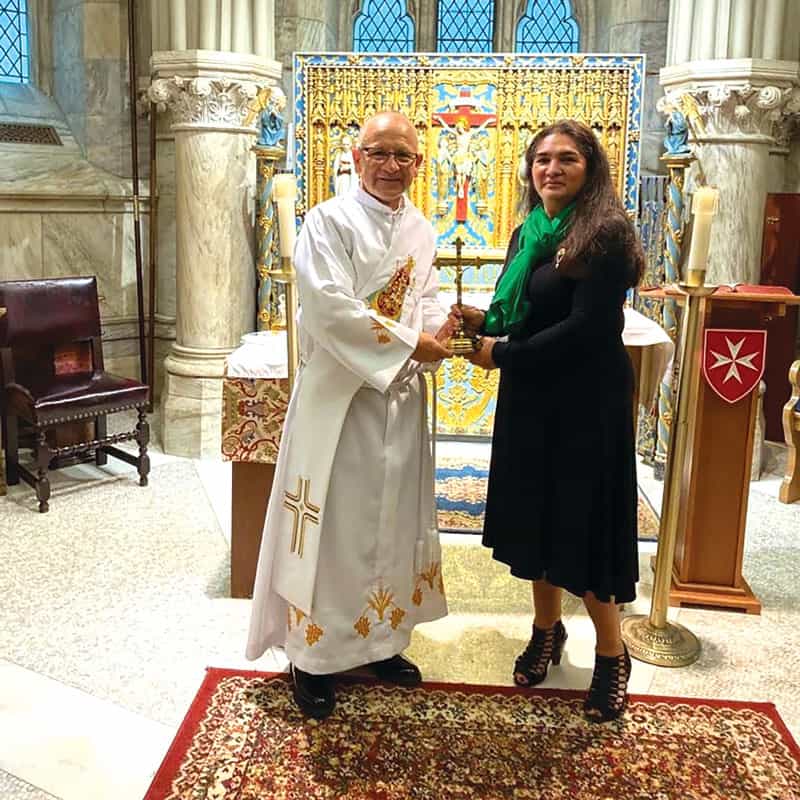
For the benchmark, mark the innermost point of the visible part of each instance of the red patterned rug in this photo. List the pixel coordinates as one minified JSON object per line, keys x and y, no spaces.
{"x":243,"y":739}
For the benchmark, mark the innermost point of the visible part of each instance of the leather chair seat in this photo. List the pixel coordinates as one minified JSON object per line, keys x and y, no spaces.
{"x":41,"y":400}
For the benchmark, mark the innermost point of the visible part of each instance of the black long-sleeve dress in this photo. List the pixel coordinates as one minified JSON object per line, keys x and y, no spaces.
{"x":562,"y":496}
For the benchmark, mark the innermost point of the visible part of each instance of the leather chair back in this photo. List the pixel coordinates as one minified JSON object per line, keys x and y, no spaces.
{"x":48,"y":312}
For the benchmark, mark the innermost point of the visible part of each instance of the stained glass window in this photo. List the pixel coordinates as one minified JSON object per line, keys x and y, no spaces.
{"x":14,"y":65}
{"x":382,"y":27}
{"x":547,"y":27}
{"x":465,"y":26}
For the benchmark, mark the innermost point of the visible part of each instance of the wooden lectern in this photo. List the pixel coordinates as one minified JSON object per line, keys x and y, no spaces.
{"x":712,"y":510}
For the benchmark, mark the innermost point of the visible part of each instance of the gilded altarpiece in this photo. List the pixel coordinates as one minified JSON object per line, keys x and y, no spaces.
{"x":474,"y":115}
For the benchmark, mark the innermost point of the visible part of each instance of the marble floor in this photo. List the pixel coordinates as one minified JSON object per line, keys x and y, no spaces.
{"x":115,"y":602}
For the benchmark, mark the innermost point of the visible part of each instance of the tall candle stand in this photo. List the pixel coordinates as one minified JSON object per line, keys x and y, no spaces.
{"x":653,"y":638}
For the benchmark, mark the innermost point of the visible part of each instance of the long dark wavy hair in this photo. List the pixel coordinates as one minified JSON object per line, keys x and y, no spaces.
{"x":600,"y":227}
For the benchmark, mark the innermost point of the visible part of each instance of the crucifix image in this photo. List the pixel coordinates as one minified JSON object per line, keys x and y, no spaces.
{"x":463,"y":123}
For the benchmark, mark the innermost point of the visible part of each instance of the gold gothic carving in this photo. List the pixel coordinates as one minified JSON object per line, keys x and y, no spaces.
{"x":473,"y":126}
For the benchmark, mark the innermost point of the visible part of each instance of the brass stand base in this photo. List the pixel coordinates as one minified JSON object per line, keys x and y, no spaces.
{"x":462,"y":346}
{"x":670,"y":646}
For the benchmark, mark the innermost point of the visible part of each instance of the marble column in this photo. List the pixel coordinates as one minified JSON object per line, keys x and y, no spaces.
{"x":208,"y":95}
{"x":733,"y":108}
{"x":732,"y":69}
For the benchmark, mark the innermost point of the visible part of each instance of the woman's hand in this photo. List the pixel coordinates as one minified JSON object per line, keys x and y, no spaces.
{"x":473,"y":318}
{"x":483,"y":357}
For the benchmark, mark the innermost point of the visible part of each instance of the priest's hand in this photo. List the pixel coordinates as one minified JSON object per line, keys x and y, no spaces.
{"x":445,"y":333}
{"x":483,"y":357}
{"x":429,"y":349}
{"x":473,"y":318}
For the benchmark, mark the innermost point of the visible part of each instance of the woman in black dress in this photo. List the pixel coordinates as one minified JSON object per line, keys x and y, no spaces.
{"x":561,"y":509}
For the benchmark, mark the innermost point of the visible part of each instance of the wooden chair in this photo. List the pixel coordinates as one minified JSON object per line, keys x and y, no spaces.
{"x":790,"y":487}
{"x":52,"y":376}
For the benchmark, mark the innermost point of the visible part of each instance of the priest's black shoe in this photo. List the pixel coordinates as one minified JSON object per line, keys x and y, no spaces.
{"x":314,"y":694}
{"x":397,"y":669}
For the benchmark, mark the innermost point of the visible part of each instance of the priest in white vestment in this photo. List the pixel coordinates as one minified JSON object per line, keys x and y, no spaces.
{"x":350,"y":559}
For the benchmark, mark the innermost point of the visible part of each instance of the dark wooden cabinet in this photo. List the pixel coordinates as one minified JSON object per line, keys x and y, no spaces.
{"x":780,"y":266}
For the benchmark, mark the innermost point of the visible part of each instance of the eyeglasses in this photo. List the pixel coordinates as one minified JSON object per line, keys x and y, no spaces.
{"x":379,"y":156}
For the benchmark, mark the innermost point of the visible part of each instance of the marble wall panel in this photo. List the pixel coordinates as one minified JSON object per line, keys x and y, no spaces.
{"x":67,"y":26}
{"x":96,"y":244}
{"x":311,"y":9}
{"x":20,"y":246}
{"x":25,"y":100}
{"x":639,"y":9}
{"x":77,"y":125}
{"x":63,"y":5}
{"x":649,"y":38}
{"x":102,"y":29}
{"x":70,"y":87}
{"x":652,"y":148}
{"x":776,"y":176}
{"x":792,"y":166}
{"x":105,"y":86}
{"x":165,"y":275}
{"x":108,"y":142}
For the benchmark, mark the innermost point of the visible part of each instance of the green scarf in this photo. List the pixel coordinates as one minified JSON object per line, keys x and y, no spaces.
{"x":538,"y":238}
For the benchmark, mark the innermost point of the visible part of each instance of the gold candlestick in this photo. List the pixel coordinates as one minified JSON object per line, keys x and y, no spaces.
{"x":286,"y":276}
{"x":460,"y":343}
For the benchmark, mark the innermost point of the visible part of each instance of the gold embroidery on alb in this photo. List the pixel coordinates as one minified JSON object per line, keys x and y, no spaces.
{"x":303,"y":510}
{"x":388,"y":302}
{"x":380,"y":332}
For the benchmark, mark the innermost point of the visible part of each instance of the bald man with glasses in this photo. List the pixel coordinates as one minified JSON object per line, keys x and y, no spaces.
{"x":350,"y":559}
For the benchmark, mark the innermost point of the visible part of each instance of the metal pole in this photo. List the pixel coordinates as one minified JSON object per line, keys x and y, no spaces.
{"x":153,"y":243}
{"x":137,"y":233}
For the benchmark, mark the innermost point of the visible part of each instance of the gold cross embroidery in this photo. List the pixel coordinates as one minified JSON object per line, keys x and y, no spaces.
{"x":303,"y":510}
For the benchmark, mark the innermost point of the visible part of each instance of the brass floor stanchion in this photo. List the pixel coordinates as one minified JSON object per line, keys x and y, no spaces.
{"x":286,"y":276}
{"x":652,"y":638}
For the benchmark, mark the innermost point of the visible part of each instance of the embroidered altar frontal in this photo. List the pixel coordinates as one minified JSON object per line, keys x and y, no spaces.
{"x":475,"y":116}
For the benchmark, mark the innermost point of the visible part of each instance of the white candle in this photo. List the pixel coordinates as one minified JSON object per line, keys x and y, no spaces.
{"x":284,"y":192}
{"x":705,"y":201}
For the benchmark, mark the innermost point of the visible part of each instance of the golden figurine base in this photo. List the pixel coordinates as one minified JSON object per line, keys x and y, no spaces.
{"x":670,"y":646}
{"x":463,"y":345}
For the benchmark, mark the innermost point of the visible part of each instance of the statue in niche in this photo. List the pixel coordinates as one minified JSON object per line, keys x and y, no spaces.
{"x":345,"y":177}
{"x":676,"y":141}
{"x":272,"y":132}
{"x":482,"y":159}
{"x":444,"y":167}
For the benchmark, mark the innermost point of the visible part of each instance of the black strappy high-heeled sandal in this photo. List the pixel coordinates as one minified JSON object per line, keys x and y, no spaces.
{"x":546,"y":645}
{"x":608,"y":693}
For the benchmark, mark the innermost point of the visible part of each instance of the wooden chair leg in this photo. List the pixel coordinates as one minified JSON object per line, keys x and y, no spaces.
{"x":42,"y":463}
{"x":11,"y":444}
{"x":143,"y":438}
{"x":100,"y":432}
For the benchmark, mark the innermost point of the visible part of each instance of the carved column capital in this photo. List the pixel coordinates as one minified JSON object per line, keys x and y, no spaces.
{"x":787,"y":127}
{"x":734,"y":111}
{"x":218,"y":103}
